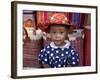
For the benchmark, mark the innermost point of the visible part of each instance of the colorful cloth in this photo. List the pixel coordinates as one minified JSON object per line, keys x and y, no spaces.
{"x":76,"y":19}
{"x":59,"y":56}
{"x":87,"y":47}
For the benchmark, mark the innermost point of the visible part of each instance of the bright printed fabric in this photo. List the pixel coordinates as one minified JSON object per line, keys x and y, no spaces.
{"x":59,"y":57}
{"x":78,"y":19}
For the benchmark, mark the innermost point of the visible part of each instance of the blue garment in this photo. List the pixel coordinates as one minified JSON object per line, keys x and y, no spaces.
{"x":76,"y":19}
{"x":59,"y":57}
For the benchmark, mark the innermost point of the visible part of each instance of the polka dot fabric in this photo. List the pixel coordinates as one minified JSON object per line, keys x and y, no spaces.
{"x":59,"y":57}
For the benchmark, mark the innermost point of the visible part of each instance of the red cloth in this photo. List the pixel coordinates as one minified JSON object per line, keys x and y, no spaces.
{"x":31,"y":50}
{"x":87,"y":47}
{"x":43,"y":17}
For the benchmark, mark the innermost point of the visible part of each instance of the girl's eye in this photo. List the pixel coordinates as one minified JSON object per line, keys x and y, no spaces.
{"x":53,"y":32}
{"x":61,"y":32}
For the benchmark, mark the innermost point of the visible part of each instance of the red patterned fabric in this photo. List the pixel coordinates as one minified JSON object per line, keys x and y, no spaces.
{"x":87,"y":47}
{"x":31,"y":50}
{"x":58,"y":18}
{"x":84,"y":18}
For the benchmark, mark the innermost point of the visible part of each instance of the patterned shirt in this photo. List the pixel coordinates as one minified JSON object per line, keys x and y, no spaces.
{"x":59,"y":56}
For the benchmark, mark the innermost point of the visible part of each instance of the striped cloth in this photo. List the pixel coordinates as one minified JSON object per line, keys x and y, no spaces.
{"x":78,"y":19}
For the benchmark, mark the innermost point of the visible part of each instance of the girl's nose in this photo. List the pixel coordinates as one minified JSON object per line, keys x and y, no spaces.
{"x":57,"y":35}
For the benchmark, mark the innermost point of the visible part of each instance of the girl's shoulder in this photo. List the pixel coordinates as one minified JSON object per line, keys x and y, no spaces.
{"x":48,"y":47}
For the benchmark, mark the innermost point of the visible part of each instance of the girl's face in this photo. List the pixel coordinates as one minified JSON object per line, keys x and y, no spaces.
{"x":29,"y":24}
{"x":58,"y":35}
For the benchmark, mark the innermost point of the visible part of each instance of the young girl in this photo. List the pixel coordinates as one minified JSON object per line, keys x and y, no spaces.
{"x":30,"y":27}
{"x":59,"y":53}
